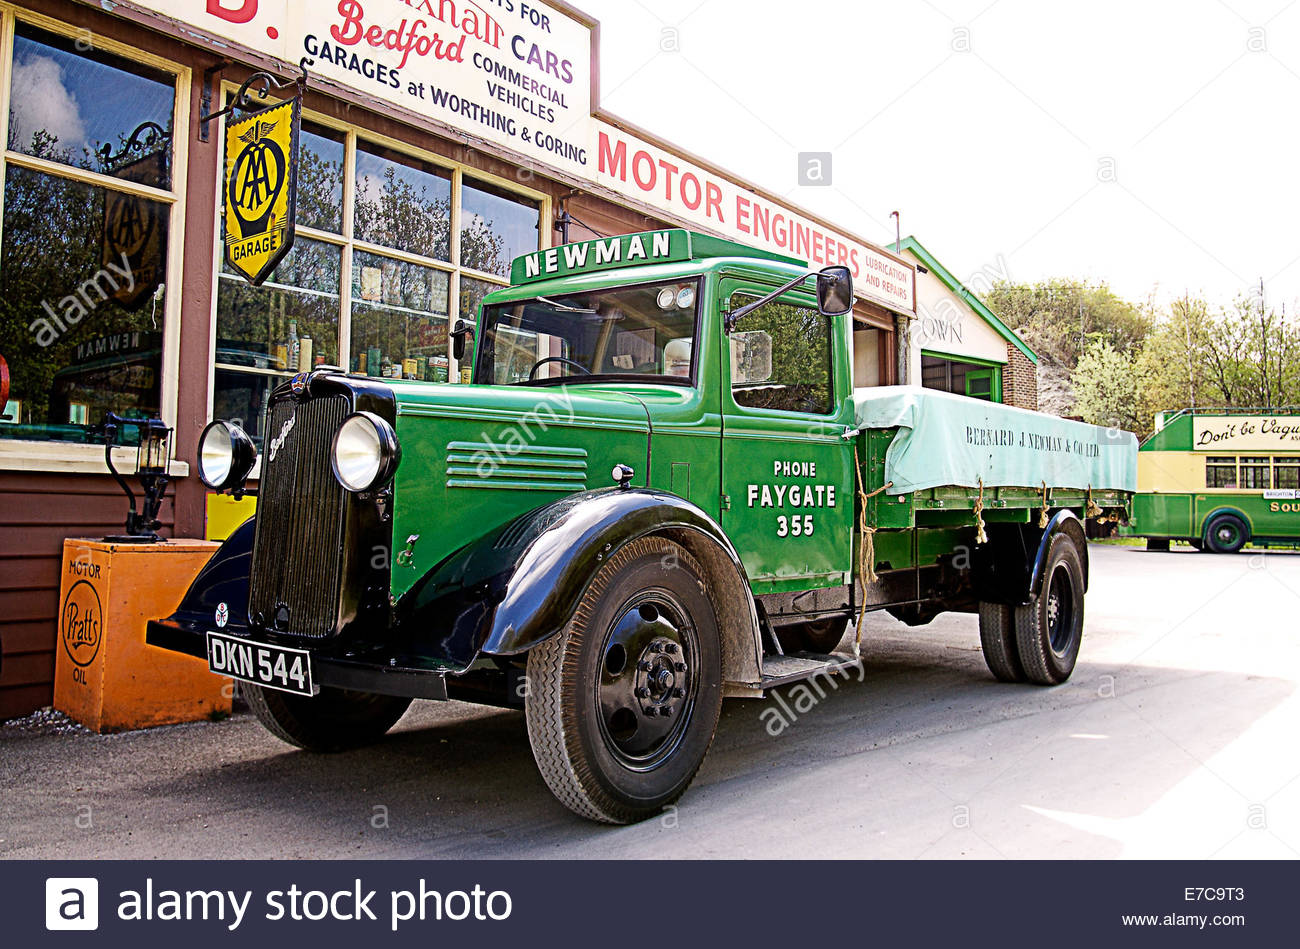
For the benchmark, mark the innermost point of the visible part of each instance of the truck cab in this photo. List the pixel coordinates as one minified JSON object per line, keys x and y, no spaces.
{"x":656,"y":492}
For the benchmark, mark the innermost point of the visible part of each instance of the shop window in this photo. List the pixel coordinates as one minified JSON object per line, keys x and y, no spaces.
{"x":1220,"y":472}
{"x":321,"y":156}
{"x":781,"y":359}
{"x":83,"y":265}
{"x":399,"y":319}
{"x":59,"y":109}
{"x":396,"y":313}
{"x":267,"y":333}
{"x":403,"y":203}
{"x":496,"y":227}
{"x":1255,"y":474}
{"x":1286,"y":473}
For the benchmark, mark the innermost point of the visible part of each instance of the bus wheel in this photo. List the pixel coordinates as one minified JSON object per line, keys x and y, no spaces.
{"x":1226,"y":534}
{"x":622,"y":705}
{"x":334,"y":720}
{"x":1049,"y":629}
{"x":998,"y":640}
{"x":819,"y":637}
{"x":1158,"y":543}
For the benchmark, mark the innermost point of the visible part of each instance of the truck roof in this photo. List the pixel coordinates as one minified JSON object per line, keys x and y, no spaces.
{"x":674,"y":245}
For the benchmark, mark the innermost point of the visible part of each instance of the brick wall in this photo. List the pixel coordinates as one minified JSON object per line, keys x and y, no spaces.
{"x":1019,"y":380}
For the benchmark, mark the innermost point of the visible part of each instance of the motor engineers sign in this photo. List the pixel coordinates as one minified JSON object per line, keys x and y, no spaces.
{"x":513,"y":72}
{"x":638,"y":169}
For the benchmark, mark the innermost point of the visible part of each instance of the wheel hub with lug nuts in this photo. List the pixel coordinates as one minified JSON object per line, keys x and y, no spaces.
{"x":645,"y":690}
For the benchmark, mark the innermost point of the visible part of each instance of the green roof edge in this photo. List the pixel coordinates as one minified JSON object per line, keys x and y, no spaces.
{"x":956,"y":286}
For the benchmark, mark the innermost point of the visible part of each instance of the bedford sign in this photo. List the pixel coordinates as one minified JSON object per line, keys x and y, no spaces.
{"x":518,"y":74}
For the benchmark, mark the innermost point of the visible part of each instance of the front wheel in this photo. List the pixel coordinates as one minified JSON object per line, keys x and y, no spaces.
{"x":334,"y":720}
{"x":622,"y":705}
{"x":1049,"y":629}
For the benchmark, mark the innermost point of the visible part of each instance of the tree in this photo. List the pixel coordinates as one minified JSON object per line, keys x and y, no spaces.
{"x":1057,"y":317}
{"x":1106,"y":387}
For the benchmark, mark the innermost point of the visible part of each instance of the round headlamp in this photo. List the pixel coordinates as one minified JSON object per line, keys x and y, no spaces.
{"x":365,"y":452}
{"x":226,"y":456}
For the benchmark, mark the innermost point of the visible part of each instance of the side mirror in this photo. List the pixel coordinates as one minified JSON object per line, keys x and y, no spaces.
{"x":834,"y":291}
{"x":458,"y":334}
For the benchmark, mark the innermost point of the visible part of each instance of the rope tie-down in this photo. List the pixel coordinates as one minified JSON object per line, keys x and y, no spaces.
{"x":980,"y":536}
{"x":867,"y":547}
{"x":1042,"y":511}
{"x":1091,"y":509}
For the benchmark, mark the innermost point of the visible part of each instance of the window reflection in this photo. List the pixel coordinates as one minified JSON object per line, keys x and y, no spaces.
{"x":496,"y":227}
{"x":321,"y":155}
{"x":59,"y":109}
{"x":403,"y":203}
{"x":81,"y":304}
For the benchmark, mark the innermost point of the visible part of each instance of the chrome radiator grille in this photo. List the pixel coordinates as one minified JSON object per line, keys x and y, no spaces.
{"x":297,"y":551}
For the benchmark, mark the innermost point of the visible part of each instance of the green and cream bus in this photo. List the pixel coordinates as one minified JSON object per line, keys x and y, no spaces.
{"x":1220,"y":479}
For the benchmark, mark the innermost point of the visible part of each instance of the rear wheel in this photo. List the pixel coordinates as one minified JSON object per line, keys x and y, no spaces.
{"x":334,"y":720}
{"x":1226,"y":534}
{"x":998,"y":640}
{"x":819,"y":637}
{"x":1049,"y":629}
{"x":623,"y":704}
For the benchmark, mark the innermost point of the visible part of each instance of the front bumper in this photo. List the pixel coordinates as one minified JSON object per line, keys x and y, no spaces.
{"x":377,"y":671}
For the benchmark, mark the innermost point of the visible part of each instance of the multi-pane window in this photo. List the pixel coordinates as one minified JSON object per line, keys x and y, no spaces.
{"x":1286,"y":473}
{"x":1220,"y":472}
{"x":418,"y":244}
{"x":89,"y":195}
{"x":1255,"y":474}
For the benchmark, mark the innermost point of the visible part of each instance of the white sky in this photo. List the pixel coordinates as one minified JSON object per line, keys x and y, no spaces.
{"x":995,"y":142}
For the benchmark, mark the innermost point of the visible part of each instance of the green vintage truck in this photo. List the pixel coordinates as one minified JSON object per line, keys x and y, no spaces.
{"x":660,"y":490}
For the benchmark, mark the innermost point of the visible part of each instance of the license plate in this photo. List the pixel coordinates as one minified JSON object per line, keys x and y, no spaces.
{"x":275,"y":667}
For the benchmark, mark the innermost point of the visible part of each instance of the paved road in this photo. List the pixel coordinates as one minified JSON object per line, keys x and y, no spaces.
{"x":1175,"y":738}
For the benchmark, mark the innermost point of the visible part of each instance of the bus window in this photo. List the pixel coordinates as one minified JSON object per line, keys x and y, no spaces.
{"x":1286,"y":473}
{"x":1220,"y":472}
{"x":1255,"y":474}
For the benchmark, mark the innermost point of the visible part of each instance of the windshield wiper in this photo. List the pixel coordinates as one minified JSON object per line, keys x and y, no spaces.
{"x":564,"y":306}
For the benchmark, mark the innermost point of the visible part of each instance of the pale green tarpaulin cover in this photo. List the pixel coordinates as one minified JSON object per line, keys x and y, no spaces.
{"x":948,"y":439}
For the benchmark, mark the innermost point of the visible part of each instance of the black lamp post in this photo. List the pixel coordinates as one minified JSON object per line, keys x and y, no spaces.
{"x":152,"y":467}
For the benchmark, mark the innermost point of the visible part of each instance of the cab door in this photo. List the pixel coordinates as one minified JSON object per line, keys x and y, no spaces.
{"x":787,"y":470}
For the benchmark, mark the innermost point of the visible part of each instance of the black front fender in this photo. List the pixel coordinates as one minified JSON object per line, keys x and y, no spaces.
{"x":519,"y":586}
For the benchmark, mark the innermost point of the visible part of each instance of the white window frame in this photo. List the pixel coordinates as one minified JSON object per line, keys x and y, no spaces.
{"x":53,"y":456}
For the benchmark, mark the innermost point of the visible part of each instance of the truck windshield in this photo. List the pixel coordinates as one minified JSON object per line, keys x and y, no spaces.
{"x":644,"y":333}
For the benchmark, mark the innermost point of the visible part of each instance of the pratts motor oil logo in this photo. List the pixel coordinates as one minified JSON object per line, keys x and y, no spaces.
{"x":261,"y":189}
{"x":82,"y":623}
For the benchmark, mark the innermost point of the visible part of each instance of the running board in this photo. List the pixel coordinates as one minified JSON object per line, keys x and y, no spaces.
{"x":783,"y":670}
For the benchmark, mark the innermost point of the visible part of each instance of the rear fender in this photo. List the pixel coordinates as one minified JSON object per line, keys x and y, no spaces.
{"x":1009,"y":568}
{"x":519,"y":586}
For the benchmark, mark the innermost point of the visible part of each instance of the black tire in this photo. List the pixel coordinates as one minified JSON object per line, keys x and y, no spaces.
{"x":1226,"y":534}
{"x":334,"y":720}
{"x":1049,"y":630}
{"x":998,"y":640}
{"x":623,"y":704}
{"x":1158,"y":543}
{"x":819,"y":637}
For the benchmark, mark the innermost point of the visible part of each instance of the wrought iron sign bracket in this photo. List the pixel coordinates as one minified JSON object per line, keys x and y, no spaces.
{"x":260,"y":83}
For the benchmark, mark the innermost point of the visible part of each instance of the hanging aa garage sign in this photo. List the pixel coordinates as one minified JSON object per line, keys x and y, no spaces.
{"x":261,"y":189}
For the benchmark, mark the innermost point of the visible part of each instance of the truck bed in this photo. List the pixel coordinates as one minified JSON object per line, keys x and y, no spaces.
{"x":929,"y":457}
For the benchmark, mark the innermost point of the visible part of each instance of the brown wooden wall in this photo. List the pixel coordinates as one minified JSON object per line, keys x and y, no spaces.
{"x":37,"y":511}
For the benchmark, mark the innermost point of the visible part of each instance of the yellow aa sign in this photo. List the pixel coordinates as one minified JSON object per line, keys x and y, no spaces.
{"x":261,"y":189}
